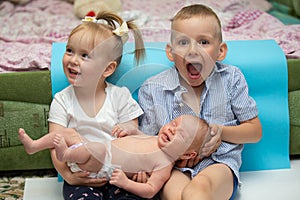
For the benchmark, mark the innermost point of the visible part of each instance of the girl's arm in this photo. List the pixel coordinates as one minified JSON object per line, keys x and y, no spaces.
{"x":145,"y":190}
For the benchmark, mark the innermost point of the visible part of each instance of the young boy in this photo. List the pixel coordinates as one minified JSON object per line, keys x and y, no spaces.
{"x":136,"y":152}
{"x":199,"y":84}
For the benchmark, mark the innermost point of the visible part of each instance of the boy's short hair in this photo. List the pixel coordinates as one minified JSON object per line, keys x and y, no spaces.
{"x":198,"y":10}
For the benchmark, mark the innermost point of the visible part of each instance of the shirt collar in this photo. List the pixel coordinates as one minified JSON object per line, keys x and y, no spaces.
{"x":172,"y":76}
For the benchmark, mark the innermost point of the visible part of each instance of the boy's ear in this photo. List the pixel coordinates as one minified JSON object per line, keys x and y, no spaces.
{"x":189,"y":155}
{"x":110,"y":69}
{"x":222,"y":51}
{"x":169,"y":52}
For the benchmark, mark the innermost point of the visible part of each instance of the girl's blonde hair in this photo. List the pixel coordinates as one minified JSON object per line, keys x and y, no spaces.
{"x":97,"y":32}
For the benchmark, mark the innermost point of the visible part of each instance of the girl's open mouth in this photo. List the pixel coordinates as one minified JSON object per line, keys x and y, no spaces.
{"x":74,"y":72}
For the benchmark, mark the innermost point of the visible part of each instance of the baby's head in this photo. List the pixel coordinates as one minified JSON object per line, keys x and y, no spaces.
{"x":183,"y":136}
{"x":97,"y":44}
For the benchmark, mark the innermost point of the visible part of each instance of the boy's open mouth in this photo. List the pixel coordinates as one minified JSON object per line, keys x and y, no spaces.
{"x":194,"y":70}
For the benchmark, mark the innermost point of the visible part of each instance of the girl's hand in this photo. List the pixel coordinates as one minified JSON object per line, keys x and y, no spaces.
{"x":118,"y":178}
{"x":213,"y":142}
{"x":119,"y":131}
{"x":81,"y":178}
{"x":125,"y":129}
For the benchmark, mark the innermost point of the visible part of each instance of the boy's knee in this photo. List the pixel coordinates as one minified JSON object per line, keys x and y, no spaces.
{"x":198,"y":187}
{"x":170,"y":194}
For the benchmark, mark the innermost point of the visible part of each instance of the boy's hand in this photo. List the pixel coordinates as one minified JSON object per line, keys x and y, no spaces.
{"x":188,"y":163}
{"x":214,"y":142}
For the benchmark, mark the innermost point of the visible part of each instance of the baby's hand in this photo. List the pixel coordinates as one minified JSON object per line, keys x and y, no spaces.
{"x":212,"y":144}
{"x":118,"y":178}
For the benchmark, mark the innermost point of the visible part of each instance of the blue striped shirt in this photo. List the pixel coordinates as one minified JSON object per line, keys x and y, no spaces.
{"x":224,"y":100}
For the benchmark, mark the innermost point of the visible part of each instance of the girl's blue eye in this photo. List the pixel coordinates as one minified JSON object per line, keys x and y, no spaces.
{"x":85,"y":56}
{"x":68,"y":50}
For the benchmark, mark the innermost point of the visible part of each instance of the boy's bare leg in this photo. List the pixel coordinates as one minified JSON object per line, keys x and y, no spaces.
{"x":32,"y":146}
{"x":214,"y":182}
{"x":172,"y":190}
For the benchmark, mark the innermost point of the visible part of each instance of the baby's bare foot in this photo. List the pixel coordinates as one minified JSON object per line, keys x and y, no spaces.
{"x":26,"y":141}
{"x":61,"y":147}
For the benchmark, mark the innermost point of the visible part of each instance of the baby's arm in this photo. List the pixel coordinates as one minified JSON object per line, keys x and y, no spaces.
{"x":146,"y":190}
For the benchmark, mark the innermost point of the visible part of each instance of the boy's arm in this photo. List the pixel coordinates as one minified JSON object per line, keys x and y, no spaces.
{"x":144,"y":190}
{"x":249,"y":131}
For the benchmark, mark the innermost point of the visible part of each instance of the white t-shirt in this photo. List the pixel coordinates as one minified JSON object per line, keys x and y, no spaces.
{"x":118,"y":107}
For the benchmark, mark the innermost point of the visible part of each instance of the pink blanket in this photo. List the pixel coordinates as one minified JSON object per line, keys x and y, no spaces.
{"x":27,"y":32}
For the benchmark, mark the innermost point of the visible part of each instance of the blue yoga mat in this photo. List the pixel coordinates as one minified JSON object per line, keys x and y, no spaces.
{"x":265,"y":68}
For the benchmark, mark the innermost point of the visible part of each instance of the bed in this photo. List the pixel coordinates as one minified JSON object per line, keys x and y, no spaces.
{"x":28,"y":32}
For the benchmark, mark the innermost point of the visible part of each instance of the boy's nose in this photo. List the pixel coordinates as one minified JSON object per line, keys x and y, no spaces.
{"x":194,"y":49}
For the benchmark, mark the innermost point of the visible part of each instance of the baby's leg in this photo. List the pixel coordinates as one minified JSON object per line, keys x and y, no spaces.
{"x":77,"y":154}
{"x":32,"y":146}
{"x":81,"y":154}
{"x":61,"y":148}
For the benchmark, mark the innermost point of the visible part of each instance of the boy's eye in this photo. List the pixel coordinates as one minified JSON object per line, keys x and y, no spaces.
{"x":183,"y":42}
{"x":203,"y":42}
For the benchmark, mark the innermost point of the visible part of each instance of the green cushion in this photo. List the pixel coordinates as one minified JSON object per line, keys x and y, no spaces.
{"x":294,"y":107}
{"x":294,"y":74}
{"x":295,"y":140}
{"x":30,"y":116}
{"x":15,"y":158}
{"x":34,"y":87}
{"x":33,"y":118}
